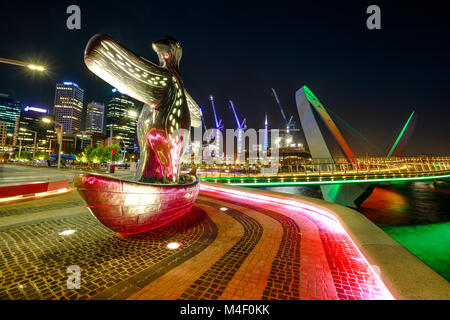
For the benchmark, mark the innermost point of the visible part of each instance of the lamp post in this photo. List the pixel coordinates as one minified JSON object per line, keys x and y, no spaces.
{"x":30,"y":66}
{"x":50,"y":147}
{"x":20,"y":146}
{"x":60,"y":138}
{"x":35,"y":145}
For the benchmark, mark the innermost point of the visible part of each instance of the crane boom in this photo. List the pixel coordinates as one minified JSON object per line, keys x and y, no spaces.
{"x":290,"y":124}
{"x":279,"y":105}
{"x":218,"y":122}
{"x":240,"y":125}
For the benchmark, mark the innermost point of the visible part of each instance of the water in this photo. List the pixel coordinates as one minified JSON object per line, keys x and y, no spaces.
{"x":416,"y":214}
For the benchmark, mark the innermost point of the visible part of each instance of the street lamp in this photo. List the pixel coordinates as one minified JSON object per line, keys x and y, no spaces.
{"x":20,"y":147}
{"x":30,"y":66}
{"x":34,"y":143}
{"x":60,"y":133}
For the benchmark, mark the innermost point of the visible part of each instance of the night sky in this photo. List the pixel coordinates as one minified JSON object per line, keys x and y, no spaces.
{"x":239,"y":50}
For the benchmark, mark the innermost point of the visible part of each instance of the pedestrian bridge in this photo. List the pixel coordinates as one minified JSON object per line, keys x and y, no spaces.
{"x":332,"y":171}
{"x":343,"y":181}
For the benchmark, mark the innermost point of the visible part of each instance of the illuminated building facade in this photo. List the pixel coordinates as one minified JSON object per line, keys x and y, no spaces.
{"x":83,"y":139}
{"x":266,"y":135}
{"x":94,"y":117}
{"x":122,"y":114}
{"x":68,"y":108}
{"x":9,"y":112}
{"x":30,"y":122}
{"x":3,"y":134}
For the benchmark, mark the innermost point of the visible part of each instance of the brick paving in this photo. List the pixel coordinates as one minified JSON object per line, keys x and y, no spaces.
{"x":172,"y":284}
{"x":212,"y":283}
{"x":34,"y":258}
{"x":351,"y":279}
{"x":250,"y":251}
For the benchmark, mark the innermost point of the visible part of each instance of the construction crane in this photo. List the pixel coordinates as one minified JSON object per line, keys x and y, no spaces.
{"x":209,"y":139}
{"x":290,"y":124}
{"x":219,"y":128}
{"x":240,"y":125}
{"x":219,"y":124}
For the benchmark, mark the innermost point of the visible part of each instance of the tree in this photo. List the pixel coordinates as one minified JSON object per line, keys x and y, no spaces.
{"x":24,"y":155}
{"x":98,"y":154}
{"x":108,"y":150}
{"x":41,"y":155}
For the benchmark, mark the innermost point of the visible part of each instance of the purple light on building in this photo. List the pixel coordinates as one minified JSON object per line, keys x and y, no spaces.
{"x":35,"y":109}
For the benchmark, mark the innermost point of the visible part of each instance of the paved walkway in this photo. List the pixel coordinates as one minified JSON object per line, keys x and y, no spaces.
{"x":234,"y":246}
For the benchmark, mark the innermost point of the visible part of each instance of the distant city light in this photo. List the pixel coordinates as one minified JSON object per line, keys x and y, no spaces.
{"x":173,"y":245}
{"x":46,"y":120}
{"x":70,"y":84}
{"x":66,"y":232}
{"x":41,"y":110}
{"x":132,"y":113}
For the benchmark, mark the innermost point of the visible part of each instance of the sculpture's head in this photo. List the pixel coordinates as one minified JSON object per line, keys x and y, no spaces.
{"x":169,"y":51}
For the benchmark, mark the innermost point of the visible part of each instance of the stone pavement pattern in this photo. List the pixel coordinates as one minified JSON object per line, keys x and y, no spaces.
{"x":250,"y":251}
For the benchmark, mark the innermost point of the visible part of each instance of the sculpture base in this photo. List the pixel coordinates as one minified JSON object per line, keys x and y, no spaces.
{"x":129,"y":207}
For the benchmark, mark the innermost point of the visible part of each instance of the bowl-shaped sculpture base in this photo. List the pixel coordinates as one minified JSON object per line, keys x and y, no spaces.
{"x":131,"y":207}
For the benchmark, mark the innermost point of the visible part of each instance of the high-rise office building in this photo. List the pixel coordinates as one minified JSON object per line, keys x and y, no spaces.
{"x":9,"y":112}
{"x":94,"y":117}
{"x":69,"y":106}
{"x":30,"y":122}
{"x":83,"y":139}
{"x":266,"y":135}
{"x":121,"y":119}
{"x":3,"y":134}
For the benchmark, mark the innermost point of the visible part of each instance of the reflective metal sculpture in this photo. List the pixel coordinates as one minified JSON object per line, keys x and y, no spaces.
{"x":159,"y":194}
{"x":130,"y":207}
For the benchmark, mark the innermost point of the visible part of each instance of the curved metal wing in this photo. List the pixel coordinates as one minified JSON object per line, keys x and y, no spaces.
{"x":129,"y":73}
{"x":194,"y":110}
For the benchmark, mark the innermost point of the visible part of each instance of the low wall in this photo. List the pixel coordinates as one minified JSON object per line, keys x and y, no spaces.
{"x":30,"y":189}
{"x":405,"y":275}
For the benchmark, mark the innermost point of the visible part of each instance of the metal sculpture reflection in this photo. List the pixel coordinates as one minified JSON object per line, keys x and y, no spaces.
{"x":130,"y":207}
{"x":159,"y":193}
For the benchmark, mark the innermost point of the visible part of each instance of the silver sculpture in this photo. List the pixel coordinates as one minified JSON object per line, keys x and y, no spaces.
{"x":159,"y":194}
{"x":168,"y":112}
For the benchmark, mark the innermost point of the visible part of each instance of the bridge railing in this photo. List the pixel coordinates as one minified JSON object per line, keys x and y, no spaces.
{"x":328,"y":167}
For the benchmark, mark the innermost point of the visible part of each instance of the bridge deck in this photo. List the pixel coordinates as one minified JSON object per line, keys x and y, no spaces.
{"x":327,"y":178}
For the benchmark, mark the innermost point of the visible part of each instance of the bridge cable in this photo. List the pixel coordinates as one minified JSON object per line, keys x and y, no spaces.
{"x":355,"y":131}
